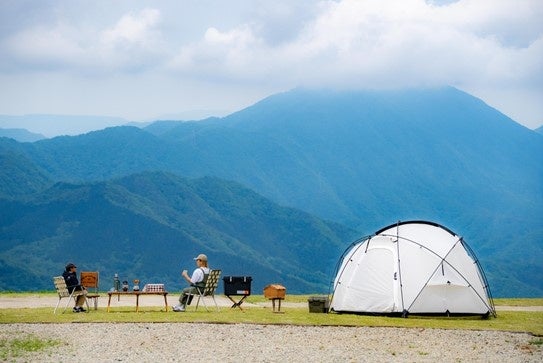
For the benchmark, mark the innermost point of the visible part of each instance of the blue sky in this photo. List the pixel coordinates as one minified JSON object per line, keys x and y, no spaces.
{"x":143,"y":60}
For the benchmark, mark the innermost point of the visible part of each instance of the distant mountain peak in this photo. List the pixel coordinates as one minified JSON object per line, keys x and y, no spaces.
{"x":361,"y":158}
{"x":21,"y":135}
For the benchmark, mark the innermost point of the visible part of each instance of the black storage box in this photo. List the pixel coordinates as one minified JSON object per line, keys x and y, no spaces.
{"x":237,"y":285}
{"x":318,"y":304}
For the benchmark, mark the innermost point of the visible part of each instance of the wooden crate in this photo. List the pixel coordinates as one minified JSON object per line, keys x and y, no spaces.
{"x":275,"y":291}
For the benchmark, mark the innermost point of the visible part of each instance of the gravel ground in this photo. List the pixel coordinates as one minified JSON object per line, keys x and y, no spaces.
{"x":157,"y":342}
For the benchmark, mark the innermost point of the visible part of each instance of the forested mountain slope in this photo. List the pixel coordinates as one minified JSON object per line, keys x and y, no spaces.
{"x":361,"y":158}
{"x":150,"y":225}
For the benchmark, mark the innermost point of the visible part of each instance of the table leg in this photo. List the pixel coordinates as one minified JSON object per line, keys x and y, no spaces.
{"x":108,"y":303}
{"x":137,"y":302}
{"x":166,"y":302}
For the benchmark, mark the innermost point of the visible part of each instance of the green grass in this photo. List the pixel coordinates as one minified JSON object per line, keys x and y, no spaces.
{"x":20,"y":346}
{"x":518,"y":321}
{"x":518,"y":302}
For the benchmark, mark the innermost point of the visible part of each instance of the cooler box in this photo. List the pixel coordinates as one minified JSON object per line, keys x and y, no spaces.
{"x":237,"y":285}
{"x":318,"y":304}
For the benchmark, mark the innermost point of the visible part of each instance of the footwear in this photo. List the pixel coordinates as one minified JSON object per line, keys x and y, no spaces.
{"x":81,"y":310}
{"x":75,"y":309}
{"x":178,"y":308}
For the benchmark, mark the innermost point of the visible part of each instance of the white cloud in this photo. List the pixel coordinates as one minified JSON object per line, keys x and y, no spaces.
{"x":40,"y":46}
{"x":224,"y":55}
{"x":511,"y":23}
{"x":134,"y":29}
{"x":379,"y":43}
{"x":487,"y":47}
{"x":130,"y":43}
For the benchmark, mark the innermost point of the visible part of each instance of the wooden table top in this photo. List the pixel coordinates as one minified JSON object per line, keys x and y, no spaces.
{"x":137,"y":292}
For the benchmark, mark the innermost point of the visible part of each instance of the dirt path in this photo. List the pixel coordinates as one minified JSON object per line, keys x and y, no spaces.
{"x":30,"y":301}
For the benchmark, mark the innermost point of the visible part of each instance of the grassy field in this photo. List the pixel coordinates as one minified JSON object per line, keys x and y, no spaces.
{"x":517,"y":321}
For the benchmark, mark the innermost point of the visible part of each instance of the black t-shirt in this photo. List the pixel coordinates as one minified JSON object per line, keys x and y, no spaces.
{"x":71,"y":281}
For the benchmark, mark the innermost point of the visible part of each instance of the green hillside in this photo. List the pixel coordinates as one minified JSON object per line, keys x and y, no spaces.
{"x":150,"y":225}
{"x":364,"y":159}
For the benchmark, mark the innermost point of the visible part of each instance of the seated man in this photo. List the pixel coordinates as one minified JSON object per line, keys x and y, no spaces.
{"x":198,"y":279}
{"x":72,"y":283}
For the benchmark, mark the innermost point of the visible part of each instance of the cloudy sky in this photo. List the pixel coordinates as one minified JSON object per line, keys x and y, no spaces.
{"x":142,"y":60}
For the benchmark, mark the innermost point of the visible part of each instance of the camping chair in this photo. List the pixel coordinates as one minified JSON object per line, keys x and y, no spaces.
{"x":209,"y":289}
{"x":89,"y":280}
{"x":62,"y":290}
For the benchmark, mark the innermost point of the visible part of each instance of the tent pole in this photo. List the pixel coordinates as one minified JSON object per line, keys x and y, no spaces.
{"x":404,"y":312}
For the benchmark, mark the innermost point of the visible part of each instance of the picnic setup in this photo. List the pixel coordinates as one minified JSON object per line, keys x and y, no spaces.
{"x":413,"y":267}
{"x":89,"y":288}
{"x":236,"y":289}
{"x":150,"y":289}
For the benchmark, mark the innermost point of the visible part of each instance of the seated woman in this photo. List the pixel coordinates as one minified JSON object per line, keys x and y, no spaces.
{"x":72,"y":283}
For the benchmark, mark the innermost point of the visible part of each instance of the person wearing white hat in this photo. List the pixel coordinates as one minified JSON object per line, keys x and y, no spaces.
{"x":197,"y":280}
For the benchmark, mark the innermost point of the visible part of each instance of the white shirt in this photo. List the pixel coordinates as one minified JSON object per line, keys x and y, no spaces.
{"x":198,"y":274}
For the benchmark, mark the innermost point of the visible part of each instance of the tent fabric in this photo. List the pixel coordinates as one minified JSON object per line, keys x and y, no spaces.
{"x":414,"y":267}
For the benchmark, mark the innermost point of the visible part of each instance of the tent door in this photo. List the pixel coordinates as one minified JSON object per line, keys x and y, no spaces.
{"x":378,"y":280}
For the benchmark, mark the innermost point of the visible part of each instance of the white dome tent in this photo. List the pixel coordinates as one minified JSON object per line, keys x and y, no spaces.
{"x":413,"y":267}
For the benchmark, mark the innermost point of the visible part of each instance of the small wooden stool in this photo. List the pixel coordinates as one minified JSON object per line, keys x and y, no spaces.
{"x":275,"y":292}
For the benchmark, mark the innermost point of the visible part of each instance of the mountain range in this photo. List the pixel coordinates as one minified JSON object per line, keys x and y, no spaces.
{"x":352,"y":161}
{"x":150,"y":225}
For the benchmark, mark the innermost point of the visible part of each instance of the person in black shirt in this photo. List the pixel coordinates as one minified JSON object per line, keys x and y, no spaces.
{"x":70,"y":276}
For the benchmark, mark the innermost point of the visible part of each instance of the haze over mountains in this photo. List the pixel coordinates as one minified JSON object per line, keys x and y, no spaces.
{"x":360,"y":160}
{"x":55,"y":125}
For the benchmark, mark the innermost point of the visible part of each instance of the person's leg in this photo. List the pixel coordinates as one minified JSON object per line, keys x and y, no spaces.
{"x":184,"y":298}
{"x":80,"y":301}
{"x":78,"y":304}
{"x":187,"y":292}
